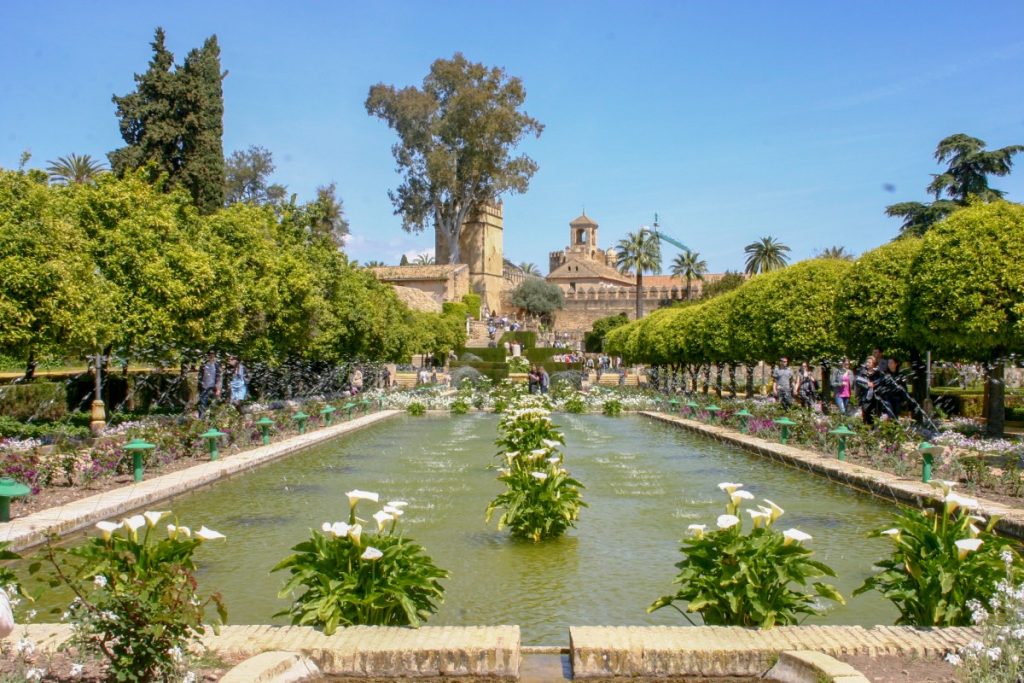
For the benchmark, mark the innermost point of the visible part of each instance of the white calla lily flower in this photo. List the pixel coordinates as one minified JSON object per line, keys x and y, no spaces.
{"x":893,"y":533}
{"x":729,"y":487}
{"x":393,"y":511}
{"x":107,"y":529}
{"x":355,"y":532}
{"x":382,"y":518}
{"x":397,"y":503}
{"x":697,"y":529}
{"x":759,"y":518}
{"x":974,"y":530}
{"x":727,"y":521}
{"x":371,"y":554}
{"x":955,"y":500}
{"x":967,"y":545}
{"x":795,"y":536}
{"x":326,"y":527}
{"x":355,"y":495}
{"x":173,"y":530}
{"x":942,"y":484}
{"x":541,"y":476}
{"x":133,"y":524}
{"x":776,"y":511}
{"x":153,"y":517}
{"x":208,"y":534}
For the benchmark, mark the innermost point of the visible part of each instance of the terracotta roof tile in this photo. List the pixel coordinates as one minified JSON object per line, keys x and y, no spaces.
{"x":435,"y":272}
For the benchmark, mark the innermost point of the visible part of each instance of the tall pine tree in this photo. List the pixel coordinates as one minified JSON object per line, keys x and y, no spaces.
{"x":175,"y":121}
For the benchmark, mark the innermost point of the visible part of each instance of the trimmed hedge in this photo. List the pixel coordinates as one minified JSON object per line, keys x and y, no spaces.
{"x":971,"y":404}
{"x":46,"y":401}
{"x":526,"y":339}
{"x":472,"y":302}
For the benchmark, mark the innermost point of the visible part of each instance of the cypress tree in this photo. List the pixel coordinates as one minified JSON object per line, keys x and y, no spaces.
{"x":202,"y":101}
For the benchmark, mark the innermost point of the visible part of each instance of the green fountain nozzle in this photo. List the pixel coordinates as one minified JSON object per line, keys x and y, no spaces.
{"x":928,"y":452}
{"x":9,"y":488}
{"x":265,"y":423}
{"x":328,"y":412}
{"x":692,"y":406}
{"x":137,"y":448}
{"x":713,"y":410}
{"x":300,"y":417}
{"x":744,"y":415}
{"x":842,"y":431}
{"x":211,"y":436}
{"x":364,"y":405}
{"x":784,"y":423}
{"x":673,"y":404}
{"x":350,"y":406}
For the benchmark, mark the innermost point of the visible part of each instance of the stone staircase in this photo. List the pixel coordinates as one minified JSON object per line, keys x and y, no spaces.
{"x":477,"y":338}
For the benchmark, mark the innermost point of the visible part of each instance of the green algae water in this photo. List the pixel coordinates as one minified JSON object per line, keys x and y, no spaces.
{"x":646,"y":481}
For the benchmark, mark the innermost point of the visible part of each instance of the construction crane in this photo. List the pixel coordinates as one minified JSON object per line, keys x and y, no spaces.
{"x":662,"y":236}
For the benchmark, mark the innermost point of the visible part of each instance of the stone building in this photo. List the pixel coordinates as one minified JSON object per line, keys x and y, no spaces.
{"x":583,"y":264}
{"x":445,"y":282}
{"x":482,"y":250}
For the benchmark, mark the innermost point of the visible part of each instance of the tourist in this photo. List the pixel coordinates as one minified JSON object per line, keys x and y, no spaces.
{"x":386,"y":377}
{"x":238,"y":382}
{"x":533,"y":379}
{"x":211,"y":376}
{"x":783,"y":379}
{"x":545,"y":380}
{"x":841,"y":381}
{"x":867,"y":380}
{"x":890,"y":390}
{"x":807,"y":386}
{"x":357,"y":381}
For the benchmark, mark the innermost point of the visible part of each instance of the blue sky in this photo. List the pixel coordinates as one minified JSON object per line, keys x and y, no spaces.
{"x":800,"y":120}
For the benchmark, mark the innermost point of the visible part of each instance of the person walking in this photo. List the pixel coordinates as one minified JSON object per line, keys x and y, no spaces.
{"x":211,"y":376}
{"x":782,"y":376}
{"x":238,"y":382}
{"x":357,"y":381}
{"x":545,"y":380}
{"x":842,"y":381}
{"x":890,"y":390}
{"x":807,"y":386}
{"x":867,"y":382}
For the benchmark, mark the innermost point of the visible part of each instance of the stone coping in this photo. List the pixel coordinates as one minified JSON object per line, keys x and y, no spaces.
{"x":495,"y":652}
{"x":884,"y":484}
{"x":807,"y":666}
{"x":32,"y":530}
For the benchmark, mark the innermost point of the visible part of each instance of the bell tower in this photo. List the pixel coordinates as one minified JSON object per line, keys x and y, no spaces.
{"x":481,"y":248}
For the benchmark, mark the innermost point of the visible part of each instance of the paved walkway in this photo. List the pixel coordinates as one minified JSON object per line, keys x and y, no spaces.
{"x":884,"y":484}
{"x":31,"y":530}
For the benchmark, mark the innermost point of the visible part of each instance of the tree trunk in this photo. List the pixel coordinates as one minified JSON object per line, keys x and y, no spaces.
{"x":994,"y":411}
{"x":732,"y":379}
{"x":687,"y":287}
{"x":718,"y":379}
{"x":918,"y":378}
{"x":706,"y":372}
{"x":750,"y":379}
{"x":639,"y":293}
{"x":826,"y":387}
{"x":30,"y":366}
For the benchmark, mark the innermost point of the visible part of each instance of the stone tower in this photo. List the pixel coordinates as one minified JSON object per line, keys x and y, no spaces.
{"x":481,"y":248}
{"x":582,"y":246}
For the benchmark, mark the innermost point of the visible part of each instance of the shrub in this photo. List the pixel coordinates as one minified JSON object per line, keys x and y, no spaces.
{"x":460,"y":376}
{"x":736,"y":579}
{"x":472,"y":302}
{"x":941,"y":562}
{"x":354,"y":577}
{"x":575,"y":404}
{"x":459,"y":407}
{"x":541,"y":499}
{"x":999,"y":656}
{"x":135,"y":598}
{"x":566,"y":381}
{"x":416,"y":409}
{"x":612,"y":407}
{"x":468,"y":357}
{"x":518,"y":364}
{"x":46,"y":401}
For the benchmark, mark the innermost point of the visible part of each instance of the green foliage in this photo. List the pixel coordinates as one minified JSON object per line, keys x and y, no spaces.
{"x":538,"y":297}
{"x":460,"y":407}
{"x":541,"y":499}
{"x":526,"y":339}
{"x":351,"y":577}
{"x":417,"y":409}
{"x":518,"y":364}
{"x":575,"y":404}
{"x":612,"y":407}
{"x":765,"y":255}
{"x":689,"y":266}
{"x":247,"y":178}
{"x":593,"y":340}
{"x":998,"y":657}
{"x":74,"y":168}
{"x":456,"y":139}
{"x":136,"y":602}
{"x":733,"y":578}
{"x":639,"y":252}
{"x":8,"y":580}
{"x":45,"y":401}
{"x":174,"y":121}
{"x":472,"y":302}
{"x":729,"y":281}
{"x":941,"y":561}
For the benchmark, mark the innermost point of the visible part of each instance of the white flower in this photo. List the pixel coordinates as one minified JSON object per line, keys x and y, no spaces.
{"x":25,"y":647}
{"x":554,"y":460}
{"x":6,"y":615}
{"x":697,"y":529}
{"x":397,"y":503}
{"x":34,"y":674}
{"x":729,"y":487}
{"x":209,"y":534}
{"x":133,"y":524}
{"x":371,"y":554}
{"x":776,"y":511}
{"x":967,"y":545}
{"x":942,"y":484}
{"x":759,"y":518}
{"x":393,"y":511}
{"x":107,"y":529}
{"x":382,"y":519}
{"x":337,"y":529}
{"x":355,"y":532}
{"x":737,"y":496}
{"x":550,"y":443}
{"x":173,"y":531}
{"x":955,"y":500}
{"x":954,"y":659}
{"x":153,"y":517}
{"x":894,"y":533}
{"x":538,"y":452}
{"x":189,"y":677}
{"x":99,"y":581}
{"x":795,"y":535}
{"x":727,"y":521}
{"x":539,"y":475}
{"x":355,"y":495}
{"x":176,"y":653}
{"x":77,"y":670}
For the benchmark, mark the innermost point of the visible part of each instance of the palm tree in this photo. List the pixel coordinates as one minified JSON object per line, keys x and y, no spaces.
{"x":639,"y":251}
{"x":75,"y":168}
{"x":424,"y":260}
{"x":529,"y":269}
{"x":764,"y":255}
{"x":839,"y":253}
{"x":968,"y":168}
{"x":689,"y":265}
{"x":375,"y":264}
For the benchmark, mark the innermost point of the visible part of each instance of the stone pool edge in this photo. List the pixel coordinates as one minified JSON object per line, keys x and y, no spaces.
{"x":32,"y":530}
{"x":876,"y":482}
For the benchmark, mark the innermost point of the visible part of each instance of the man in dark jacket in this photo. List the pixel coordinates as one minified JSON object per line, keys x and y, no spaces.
{"x":211,"y":376}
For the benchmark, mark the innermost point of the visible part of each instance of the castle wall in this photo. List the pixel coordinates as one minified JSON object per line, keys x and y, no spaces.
{"x":480,"y":246}
{"x":585,"y":306}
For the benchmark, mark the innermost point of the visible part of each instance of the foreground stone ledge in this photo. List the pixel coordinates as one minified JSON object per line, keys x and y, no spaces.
{"x":667,"y":651}
{"x":805,"y":666}
{"x":491,"y":652}
{"x":883,"y":484}
{"x":32,"y":530}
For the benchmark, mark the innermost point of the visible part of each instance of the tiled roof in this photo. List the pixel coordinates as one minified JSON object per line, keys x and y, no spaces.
{"x":435,"y":272}
{"x":583,"y":219}
{"x":579,"y":268}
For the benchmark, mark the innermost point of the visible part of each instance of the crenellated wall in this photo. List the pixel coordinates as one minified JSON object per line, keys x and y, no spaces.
{"x":588,"y":304}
